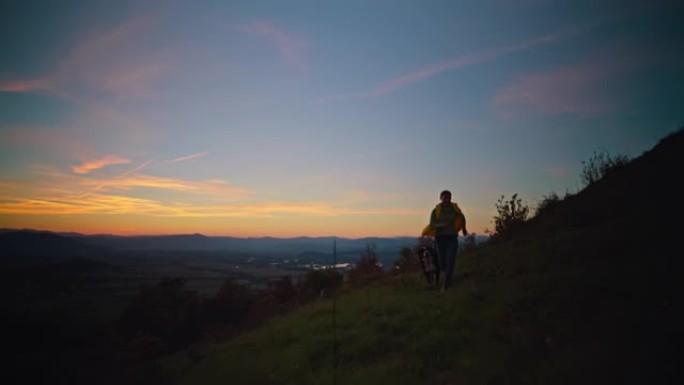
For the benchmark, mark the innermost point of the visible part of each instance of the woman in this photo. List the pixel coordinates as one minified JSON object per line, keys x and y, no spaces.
{"x":446,"y":221}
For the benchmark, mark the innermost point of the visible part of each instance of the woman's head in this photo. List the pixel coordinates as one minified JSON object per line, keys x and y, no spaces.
{"x":445,"y":196}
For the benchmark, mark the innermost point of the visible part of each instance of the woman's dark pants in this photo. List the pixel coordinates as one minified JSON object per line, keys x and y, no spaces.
{"x":447,"y":248}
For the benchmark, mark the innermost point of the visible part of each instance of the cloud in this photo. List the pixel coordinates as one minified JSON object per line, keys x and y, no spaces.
{"x":150,"y":181}
{"x":399,"y":82}
{"x":577,"y":89}
{"x":190,"y":157}
{"x":82,"y":185}
{"x":57,"y":193}
{"x":103,"y":77}
{"x":28,"y":85}
{"x":101,"y":203}
{"x":556,"y":171}
{"x":109,"y":204}
{"x":565,"y":90}
{"x":115,"y":62}
{"x":288,"y":45}
{"x":43,"y":138}
{"x":106,"y":62}
{"x":96,"y":164}
{"x":96,"y":204}
{"x":47,"y":191}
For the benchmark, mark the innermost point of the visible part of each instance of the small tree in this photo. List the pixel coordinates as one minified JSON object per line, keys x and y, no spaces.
{"x":232,"y":305}
{"x":320,"y":282}
{"x":284,"y":290}
{"x":511,"y":214}
{"x":165,"y":314}
{"x":367,"y":267}
{"x":547,"y":204}
{"x":407,"y":261}
{"x":599,"y":165}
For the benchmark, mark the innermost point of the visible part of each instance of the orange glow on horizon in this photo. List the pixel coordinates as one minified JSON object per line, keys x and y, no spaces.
{"x":280,"y":226}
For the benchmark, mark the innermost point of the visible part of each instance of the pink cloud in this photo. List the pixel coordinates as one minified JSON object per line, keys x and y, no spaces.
{"x":132,"y":130}
{"x":566,"y":90}
{"x":288,"y":45}
{"x":116,"y":61}
{"x":105,"y":74}
{"x":61,"y":186}
{"x":44,"y":138}
{"x":111,"y":62}
{"x":25,"y":85}
{"x":96,"y":164}
{"x":571,"y":89}
{"x":137,"y":81}
{"x":556,"y":171}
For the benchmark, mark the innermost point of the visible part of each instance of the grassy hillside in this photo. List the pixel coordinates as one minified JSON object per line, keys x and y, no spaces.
{"x":587,"y":292}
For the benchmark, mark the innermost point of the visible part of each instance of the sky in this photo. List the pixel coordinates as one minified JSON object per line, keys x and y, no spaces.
{"x":320,"y":118}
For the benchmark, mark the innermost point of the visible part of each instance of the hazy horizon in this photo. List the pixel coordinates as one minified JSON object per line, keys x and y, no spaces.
{"x":211,"y":236}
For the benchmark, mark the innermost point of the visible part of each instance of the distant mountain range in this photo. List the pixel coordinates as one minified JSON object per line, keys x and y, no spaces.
{"x":46,"y":244}
{"x":23,"y":244}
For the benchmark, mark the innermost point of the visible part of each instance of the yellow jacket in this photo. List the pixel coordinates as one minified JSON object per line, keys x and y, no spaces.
{"x":459,"y":224}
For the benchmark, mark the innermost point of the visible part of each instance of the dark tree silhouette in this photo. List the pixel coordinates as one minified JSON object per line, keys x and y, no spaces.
{"x":320,"y":282}
{"x":511,"y":215}
{"x":367,"y":268}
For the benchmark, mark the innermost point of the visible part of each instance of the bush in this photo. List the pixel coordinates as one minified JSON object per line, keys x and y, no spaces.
{"x":547,"y":204}
{"x":232,"y":305}
{"x":407,"y":261}
{"x":511,"y":215}
{"x":165,"y":313}
{"x":320,"y":283}
{"x":284,"y":290}
{"x":367,"y":268}
{"x":599,"y":165}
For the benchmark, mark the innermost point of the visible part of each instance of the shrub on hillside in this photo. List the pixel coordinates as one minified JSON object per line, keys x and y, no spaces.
{"x":599,"y":165}
{"x":232,"y":305}
{"x":407,"y":261}
{"x":165,"y":313}
{"x":547,"y":204}
{"x":284,"y":290}
{"x":511,"y":215}
{"x":318,"y":283}
{"x":367,"y":268}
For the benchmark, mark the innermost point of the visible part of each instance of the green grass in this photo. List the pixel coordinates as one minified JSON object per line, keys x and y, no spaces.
{"x":586,"y":294}
{"x":522,"y":312}
{"x":494,"y":325}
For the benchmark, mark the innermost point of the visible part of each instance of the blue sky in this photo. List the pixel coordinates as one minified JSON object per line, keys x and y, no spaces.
{"x":319,"y":117}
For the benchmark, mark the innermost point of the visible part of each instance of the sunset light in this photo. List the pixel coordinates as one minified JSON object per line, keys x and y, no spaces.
{"x":257,"y":119}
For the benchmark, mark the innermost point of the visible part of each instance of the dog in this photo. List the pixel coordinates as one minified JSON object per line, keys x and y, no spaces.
{"x":428,"y":260}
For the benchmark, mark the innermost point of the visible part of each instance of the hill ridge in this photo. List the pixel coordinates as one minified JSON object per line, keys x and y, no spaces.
{"x":555,"y":304}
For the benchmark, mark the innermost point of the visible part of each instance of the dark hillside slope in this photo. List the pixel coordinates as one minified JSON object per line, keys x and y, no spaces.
{"x":621,"y":239}
{"x":644,"y":193}
{"x":632,"y":217}
{"x":587,"y":292}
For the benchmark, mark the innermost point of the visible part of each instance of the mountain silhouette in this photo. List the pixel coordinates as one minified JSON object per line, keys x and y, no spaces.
{"x":31,"y":244}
